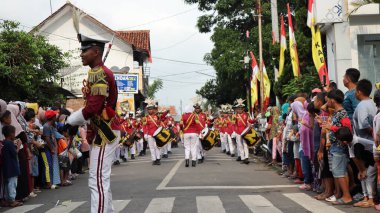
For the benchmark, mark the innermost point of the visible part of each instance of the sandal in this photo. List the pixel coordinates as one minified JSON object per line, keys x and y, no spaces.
{"x":340,"y":201}
{"x":365,"y":204}
{"x":15,"y":204}
{"x":331,"y":199}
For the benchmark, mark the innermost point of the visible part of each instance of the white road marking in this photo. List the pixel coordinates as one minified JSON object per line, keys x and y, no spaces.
{"x":225,"y":187}
{"x":119,"y":205}
{"x":170,"y":175}
{"x":160,"y":205}
{"x":209,"y":204}
{"x":311,"y":204}
{"x":257,"y":203}
{"x":65,"y":207}
{"x":24,"y":208}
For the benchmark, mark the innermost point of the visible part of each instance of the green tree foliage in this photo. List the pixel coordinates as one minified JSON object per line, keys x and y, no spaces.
{"x":228,"y":21}
{"x":154,"y":87}
{"x":29,"y":66}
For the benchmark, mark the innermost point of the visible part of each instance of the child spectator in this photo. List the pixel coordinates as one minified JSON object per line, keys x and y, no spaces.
{"x":63,"y":156}
{"x":11,"y":169}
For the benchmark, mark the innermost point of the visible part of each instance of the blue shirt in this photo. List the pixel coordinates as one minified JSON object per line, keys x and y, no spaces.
{"x":10,"y":165}
{"x":350,"y":102}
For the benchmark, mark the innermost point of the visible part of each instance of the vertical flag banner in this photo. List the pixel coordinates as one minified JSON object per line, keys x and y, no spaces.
{"x":266,"y":87}
{"x":254,"y":76}
{"x":274,"y":15}
{"x":317,"y":50}
{"x":293,"y":46}
{"x":282,"y":47}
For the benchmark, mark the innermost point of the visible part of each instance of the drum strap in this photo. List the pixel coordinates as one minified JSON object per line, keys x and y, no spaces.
{"x":238,"y":115}
{"x":199,"y":121}
{"x":191,"y":118}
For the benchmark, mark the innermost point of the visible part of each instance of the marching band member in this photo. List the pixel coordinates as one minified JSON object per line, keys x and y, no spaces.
{"x":229,"y":130}
{"x":190,"y":136}
{"x":164,"y":149}
{"x":151,"y":122}
{"x":201,"y":121}
{"x":100,"y":94}
{"x":219,"y":123}
{"x":138,"y":126}
{"x":242,"y":121}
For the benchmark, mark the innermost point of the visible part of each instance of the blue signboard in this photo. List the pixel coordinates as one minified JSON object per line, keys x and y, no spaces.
{"x":127,"y":83}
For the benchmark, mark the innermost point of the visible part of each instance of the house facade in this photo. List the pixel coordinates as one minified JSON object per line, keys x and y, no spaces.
{"x":352,"y":38}
{"x":124,"y":56}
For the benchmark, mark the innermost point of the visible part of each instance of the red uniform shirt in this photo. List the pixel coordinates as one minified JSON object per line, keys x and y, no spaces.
{"x":201,"y":120}
{"x":188,"y":123}
{"x":230,"y":126}
{"x":241,"y":122}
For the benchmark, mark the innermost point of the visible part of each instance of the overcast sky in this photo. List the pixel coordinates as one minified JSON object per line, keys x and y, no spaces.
{"x":174,"y":38}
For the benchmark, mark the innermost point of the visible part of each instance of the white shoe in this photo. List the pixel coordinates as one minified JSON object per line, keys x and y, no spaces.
{"x":54,"y":187}
{"x":331,"y":199}
{"x":32,"y":194}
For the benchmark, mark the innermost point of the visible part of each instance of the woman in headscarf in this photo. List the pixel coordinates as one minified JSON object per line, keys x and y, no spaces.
{"x":273,"y":132}
{"x":24,"y":180}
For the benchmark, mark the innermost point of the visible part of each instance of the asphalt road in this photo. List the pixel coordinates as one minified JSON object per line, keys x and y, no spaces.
{"x":218,"y":185}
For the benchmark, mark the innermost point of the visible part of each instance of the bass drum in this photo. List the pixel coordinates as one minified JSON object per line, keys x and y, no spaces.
{"x":162,"y":136}
{"x":209,"y":139}
{"x":250,"y":135}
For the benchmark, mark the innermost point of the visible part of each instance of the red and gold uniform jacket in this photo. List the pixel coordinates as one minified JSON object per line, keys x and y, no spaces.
{"x":188,"y":123}
{"x":230,"y":125}
{"x":151,"y":123}
{"x":241,"y":122}
{"x":100,"y":92}
{"x":201,"y":120}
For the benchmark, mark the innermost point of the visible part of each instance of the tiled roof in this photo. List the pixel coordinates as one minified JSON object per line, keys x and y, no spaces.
{"x":140,"y":39}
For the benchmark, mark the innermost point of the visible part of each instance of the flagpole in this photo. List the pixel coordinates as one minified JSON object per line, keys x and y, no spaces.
{"x":261,"y":60}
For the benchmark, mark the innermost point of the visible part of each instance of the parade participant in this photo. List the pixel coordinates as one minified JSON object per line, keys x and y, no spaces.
{"x":190,"y":136}
{"x":138,"y":126}
{"x":201,"y":121}
{"x":229,"y":130}
{"x":150,"y":123}
{"x":100,"y":94}
{"x":219,"y":124}
{"x":242,"y":121}
{"x":132,"y":129}
{"x":168,"y":123}
{"x":163,"y":123}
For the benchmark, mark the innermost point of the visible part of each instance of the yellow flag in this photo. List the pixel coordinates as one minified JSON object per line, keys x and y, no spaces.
{"x":293,"y":47}
{"x":266,"y":87}
{"x":282,"y":47}
{"x":254,"y":76}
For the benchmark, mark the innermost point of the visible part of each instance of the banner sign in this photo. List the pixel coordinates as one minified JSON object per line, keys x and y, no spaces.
{"x":127,"y":83}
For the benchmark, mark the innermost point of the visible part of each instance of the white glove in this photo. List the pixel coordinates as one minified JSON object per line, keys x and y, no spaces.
{"x":233,"y":135}
{"x":76,"y":118}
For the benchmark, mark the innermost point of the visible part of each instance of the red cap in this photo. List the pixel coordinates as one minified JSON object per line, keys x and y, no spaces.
{"x":316,"y":90}
{"x":50,"y":113}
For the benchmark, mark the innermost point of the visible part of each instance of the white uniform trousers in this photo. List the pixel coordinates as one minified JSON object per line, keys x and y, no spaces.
{"x":190,"y":143}
{"x":169,"y":147}
{"x":222,"y":142}
{"x":132,"y":149}
{"x":200,"y":151}
{"x":140,"y":145}
{"x":243,"y":147}
{"x":99,"y":180}
{"x":229,"y":143}
{"x":154,"y":151}
{"x":164,"y":149}
{"x":116,"y":156}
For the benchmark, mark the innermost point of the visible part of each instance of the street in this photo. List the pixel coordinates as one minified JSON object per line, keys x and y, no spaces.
{"x":218,"y":185}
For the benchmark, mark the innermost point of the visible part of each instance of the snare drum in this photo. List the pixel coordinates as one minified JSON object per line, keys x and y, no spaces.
{"x":209,"y":139}
{"x":250,"y":136}
{"x":162,"y":136}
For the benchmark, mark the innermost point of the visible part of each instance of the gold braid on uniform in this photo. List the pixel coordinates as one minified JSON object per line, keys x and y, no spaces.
{"x":97,"y":81}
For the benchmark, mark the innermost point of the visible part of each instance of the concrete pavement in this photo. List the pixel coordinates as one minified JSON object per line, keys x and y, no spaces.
{"x":220,"y":185}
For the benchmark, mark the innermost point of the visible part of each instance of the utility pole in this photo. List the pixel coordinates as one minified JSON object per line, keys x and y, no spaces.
{"x":261,"y":59}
